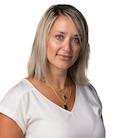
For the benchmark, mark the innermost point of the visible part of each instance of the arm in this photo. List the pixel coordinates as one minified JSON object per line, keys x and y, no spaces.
{"x":9,"y":128}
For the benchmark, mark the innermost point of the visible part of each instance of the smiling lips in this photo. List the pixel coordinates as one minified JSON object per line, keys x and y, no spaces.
{"x":64,"y":56}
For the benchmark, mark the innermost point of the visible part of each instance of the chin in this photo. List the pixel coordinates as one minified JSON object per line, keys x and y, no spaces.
{"x":64,"y":67}
{"x":61,"y":65}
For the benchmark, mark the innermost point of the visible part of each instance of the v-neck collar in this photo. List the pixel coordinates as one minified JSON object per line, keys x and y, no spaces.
{"x":37,"y":92}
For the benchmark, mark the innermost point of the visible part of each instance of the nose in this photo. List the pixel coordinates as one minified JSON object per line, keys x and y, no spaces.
{"x":67,"y":46}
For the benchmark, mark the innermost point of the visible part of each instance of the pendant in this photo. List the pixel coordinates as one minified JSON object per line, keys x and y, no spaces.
{"x":65,"y":106}
{"x":65,"y":97}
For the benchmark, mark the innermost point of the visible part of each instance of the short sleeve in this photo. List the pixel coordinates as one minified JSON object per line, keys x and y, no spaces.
{"x":97,"y":99}
{"x":12,"y":105}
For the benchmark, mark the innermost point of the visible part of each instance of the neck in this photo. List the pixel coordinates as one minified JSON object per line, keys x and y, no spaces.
{"x":58,"y":79}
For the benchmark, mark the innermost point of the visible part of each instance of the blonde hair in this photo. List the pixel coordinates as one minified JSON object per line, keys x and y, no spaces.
{"x":37,"y":65}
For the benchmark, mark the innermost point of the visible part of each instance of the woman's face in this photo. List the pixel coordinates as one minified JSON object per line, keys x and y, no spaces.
{"x":63,"y":44}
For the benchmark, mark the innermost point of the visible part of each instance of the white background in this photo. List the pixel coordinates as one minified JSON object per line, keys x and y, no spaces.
{"x":18,"y":23}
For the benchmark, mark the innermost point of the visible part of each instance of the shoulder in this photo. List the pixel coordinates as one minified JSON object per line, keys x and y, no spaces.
{"x":15,"y":94}
{"x":19,"y":88}
{"x":90,"y":92}
{"x":14,"y":103}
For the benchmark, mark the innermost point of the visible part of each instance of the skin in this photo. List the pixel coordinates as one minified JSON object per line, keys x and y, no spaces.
{"x":8,"y":128}
{"x":62,"y":52}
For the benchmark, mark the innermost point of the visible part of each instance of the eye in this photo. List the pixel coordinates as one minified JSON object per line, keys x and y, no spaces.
{"x":76,"y":40}
{"x":59,"y":37}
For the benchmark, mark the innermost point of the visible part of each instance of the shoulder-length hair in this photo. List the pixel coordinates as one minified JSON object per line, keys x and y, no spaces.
{"x":37,"y":65}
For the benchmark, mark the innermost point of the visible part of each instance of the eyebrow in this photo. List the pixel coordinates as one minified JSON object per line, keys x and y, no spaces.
{"x":61,"y":32}
{"x":66,"y":33}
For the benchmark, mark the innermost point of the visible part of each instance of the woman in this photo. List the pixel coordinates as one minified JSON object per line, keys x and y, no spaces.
{"x":56,"y":100}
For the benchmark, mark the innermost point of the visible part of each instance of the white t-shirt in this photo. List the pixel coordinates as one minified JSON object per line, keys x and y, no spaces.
{"x":38,"y":117}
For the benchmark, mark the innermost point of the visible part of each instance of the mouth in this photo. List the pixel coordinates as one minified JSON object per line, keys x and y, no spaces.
{"x":64,"y":56}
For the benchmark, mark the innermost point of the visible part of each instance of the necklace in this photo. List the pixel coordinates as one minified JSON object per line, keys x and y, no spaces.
{"x":61,"y":94}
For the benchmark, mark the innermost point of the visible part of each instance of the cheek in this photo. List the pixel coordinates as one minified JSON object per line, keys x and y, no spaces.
{"x":76,"y":52}
{"x":51,"y":49}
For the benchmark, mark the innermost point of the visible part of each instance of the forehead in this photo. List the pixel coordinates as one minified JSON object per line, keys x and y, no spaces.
{"x":64,"y":24}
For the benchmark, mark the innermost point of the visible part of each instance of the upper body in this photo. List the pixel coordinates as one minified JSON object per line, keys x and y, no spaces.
{"x":56,"y":99}
{"x":39,"y":117}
